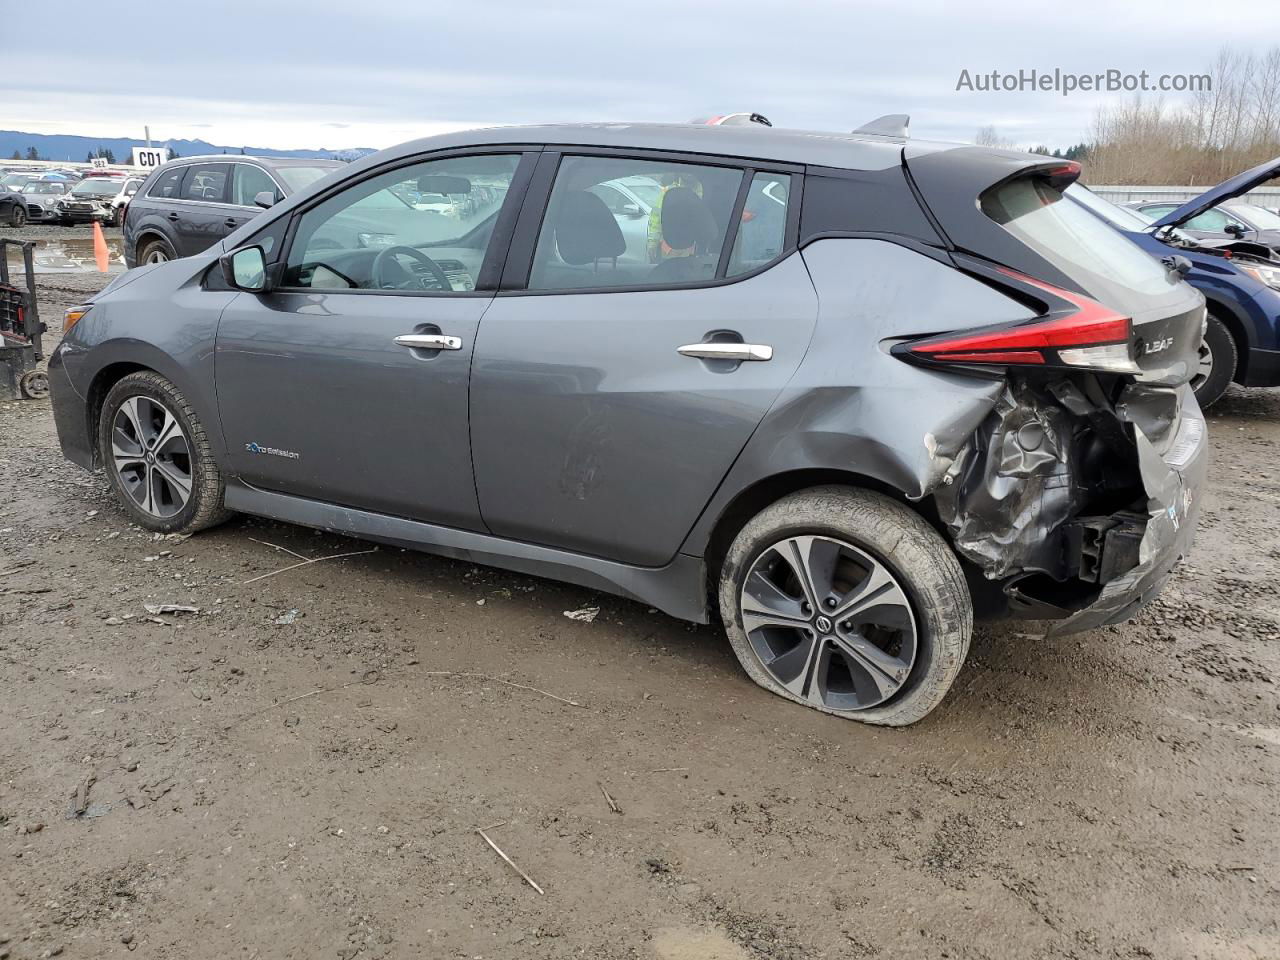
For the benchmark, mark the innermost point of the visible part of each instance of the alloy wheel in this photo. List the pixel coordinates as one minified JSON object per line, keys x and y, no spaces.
{"x":157,"y":255}
{"x":829,"y":622}
{"x":152,"y":456}
{"x":1204,"y":368}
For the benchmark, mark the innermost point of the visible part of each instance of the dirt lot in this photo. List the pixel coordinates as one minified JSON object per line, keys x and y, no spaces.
{"x":299,"y":769}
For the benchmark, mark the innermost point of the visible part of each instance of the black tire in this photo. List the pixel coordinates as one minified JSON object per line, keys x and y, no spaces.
{"x":18,"y":216}
{"x":1219,"y":350}
{"x":925,"y":569}
{"x":117,"y":217}
{"x":155,"y":250}
{"x":204,"y":506}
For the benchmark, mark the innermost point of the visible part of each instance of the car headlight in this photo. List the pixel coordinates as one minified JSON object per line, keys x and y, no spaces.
{"x":1270,"y":276}
{"x":376,"y":239}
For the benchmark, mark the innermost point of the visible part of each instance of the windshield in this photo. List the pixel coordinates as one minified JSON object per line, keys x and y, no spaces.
{"x":1261,"y":217}
{"x":1119,"y":217}
{"x":1072,"y":239}
{"x":96,"y":187}
{"x":15,"y":179}
{"x":42,"y":187}
{"x":298,"y":177}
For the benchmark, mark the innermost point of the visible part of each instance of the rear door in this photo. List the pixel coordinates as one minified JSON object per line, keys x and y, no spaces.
{"x":611,"y":388}
{"x":201,"y":213}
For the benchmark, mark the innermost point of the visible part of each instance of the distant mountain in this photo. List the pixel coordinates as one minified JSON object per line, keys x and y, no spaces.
{"x":76,"y":149}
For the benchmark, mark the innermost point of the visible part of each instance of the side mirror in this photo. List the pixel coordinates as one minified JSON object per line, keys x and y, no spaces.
{"x":631,"y":211}
{"x":265,"y":199}
{"x":245,"y":269}
{"x":1179,"y":264}
{"x":1235,"y":230}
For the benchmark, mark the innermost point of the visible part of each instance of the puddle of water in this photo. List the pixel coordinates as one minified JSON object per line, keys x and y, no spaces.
{"x":72,"y":255}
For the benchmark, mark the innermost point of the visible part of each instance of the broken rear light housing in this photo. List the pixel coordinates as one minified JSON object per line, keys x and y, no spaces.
{"x":1074,"y":333}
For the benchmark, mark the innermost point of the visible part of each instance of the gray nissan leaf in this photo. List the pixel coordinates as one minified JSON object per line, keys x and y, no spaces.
{"x":839,"y":392}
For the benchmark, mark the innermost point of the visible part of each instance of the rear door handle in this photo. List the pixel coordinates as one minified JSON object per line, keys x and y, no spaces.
{"x":429,"y":341}
{"x":232,"y":222}
{"x":727,"y":351}
{"x":174,"y":216}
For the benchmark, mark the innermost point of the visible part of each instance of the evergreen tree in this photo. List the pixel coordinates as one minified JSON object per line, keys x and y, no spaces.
{"x":33,"y":153}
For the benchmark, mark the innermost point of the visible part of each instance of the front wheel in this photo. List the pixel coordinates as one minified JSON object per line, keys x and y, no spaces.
{"x":157,"y":456}
{"x":18,"y":216}
{"x":155,"y":251}
{"x":847,"y":602}
{"x":1217,"y":363}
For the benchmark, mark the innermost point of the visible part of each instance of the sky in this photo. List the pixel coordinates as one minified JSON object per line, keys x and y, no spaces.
{"x":338,"y":74}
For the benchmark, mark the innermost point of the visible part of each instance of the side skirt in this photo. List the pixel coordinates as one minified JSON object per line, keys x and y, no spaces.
{"x":678,"y":589}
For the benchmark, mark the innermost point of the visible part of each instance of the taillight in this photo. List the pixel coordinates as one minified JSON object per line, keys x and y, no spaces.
{"x":1076,"y":333}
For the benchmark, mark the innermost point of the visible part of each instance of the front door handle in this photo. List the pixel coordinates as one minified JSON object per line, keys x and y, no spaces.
{"x":429,"y":341}
{"x":727,"y":351}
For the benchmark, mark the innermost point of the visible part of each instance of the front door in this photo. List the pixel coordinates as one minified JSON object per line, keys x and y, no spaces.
{"x":610,"y":398}
{"x":348,"y":384}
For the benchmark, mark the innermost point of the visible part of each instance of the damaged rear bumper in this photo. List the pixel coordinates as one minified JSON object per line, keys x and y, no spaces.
{"x":1078,"y":506}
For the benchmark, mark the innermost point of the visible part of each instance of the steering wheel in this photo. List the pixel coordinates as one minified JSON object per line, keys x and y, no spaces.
{"x":387,"y":256}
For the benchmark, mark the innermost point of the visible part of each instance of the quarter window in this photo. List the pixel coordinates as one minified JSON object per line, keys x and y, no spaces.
{"x":207,"y":182}
{"x":762,"y":233}
{"x":421,"y":227}
{"x":617,"y":222}
{"x":167,"y":184}
{"x":249,"y":181}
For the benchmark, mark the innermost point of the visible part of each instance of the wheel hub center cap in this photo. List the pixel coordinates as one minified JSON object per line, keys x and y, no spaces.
{"x":823,"y":624}
{"x":151,"y":457}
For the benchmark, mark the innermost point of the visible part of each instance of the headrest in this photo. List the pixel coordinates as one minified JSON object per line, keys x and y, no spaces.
{"x":686,"y":221}
{"x":585,"y":229}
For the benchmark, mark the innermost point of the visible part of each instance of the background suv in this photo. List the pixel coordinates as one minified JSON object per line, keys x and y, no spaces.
{"x":188,"y":204}
{"x":100,"y":198}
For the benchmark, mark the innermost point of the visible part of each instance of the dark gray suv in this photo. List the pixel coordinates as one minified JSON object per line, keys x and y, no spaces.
{"x":839,"y":391}
{"x":189,"y":204}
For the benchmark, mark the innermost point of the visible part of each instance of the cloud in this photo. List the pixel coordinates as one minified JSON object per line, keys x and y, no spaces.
{"x":290,"y":74}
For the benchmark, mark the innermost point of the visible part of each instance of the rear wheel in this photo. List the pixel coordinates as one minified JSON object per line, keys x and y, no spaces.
{"x":846,"y":601}
{"x":1217,"y":366}
{"x":155,"y":250}
{"x":157,"y":456}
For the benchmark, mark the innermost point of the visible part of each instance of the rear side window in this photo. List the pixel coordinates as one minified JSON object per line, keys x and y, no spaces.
{"x":207,"y":182}
{"x":1072,"y":239}
{"x":167,"y":184}
{"x":621,"y":222}
{"x":762,"y":233}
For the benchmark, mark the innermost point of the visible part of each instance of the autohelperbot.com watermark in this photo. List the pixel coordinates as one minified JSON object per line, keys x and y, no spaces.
{"x":1066,"y":83}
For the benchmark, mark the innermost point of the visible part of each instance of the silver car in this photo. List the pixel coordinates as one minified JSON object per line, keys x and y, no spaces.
{"x":856,"y":389}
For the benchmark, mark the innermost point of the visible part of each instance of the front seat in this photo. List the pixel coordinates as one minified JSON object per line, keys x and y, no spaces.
{"x":687,"y":224}
{"x":585,"y":233}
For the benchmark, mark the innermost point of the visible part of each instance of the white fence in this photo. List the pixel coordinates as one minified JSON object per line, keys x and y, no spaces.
{"x":1262,"y":196}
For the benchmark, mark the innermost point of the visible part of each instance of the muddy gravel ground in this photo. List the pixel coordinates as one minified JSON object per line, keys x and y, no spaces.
{"x":299,"y":770}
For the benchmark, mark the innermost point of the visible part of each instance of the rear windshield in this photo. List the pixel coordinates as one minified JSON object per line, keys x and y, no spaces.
{"x":1101,"y":260}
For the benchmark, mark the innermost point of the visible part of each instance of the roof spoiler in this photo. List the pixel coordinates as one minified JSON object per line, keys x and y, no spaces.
{"x":890,"y":125}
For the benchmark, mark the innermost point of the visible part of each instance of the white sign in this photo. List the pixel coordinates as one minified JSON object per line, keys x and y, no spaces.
{"x":98,"y":162}
{"x":148,"y":158}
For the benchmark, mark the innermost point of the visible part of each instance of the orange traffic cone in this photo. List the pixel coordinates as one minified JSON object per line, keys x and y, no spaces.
{"x":100,"y":254}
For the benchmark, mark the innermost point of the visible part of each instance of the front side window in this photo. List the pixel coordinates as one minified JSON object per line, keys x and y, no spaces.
{"x":762,"y":233}
{"x":621,"y":222}
{"x":248,"y":182}
{"x":420,"y":227}
{"x":207,"y":182}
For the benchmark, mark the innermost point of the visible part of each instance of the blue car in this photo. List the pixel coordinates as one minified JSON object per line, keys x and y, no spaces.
{"x":1241,"y":286}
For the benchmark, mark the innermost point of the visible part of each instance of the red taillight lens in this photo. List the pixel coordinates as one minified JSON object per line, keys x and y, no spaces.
{"x":1077,"y":332}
